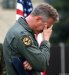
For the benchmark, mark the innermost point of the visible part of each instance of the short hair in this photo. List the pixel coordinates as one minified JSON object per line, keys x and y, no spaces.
{"x":46,"y":11}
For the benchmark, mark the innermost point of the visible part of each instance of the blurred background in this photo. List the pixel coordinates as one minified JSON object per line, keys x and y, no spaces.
{"x":59,"y":61}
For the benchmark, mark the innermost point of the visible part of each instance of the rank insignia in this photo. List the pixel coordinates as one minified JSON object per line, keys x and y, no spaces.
{"x":26,"y":40}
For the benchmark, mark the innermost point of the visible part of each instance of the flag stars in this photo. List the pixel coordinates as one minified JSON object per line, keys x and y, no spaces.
{"x":20,"y":0}
{"x":25,"y":10}
{"x":29,"y":10}
{"x":29,"y":4}
{"x":27,"y":7}
{"x":25,"y":14}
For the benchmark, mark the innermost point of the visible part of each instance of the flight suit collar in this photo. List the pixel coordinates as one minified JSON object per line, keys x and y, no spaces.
{"x":24,"y":23}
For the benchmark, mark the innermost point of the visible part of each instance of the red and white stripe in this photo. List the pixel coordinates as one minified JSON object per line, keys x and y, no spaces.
{"x":19,"y":11}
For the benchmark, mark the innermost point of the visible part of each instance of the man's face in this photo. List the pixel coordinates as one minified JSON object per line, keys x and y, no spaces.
{"x":40,"y":24}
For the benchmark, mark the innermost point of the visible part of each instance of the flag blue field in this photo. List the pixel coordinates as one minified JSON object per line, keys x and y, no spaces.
{"x":23,"y":8}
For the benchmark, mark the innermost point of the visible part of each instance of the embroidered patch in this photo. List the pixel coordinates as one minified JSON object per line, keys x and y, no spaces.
{"x":27,"y":40}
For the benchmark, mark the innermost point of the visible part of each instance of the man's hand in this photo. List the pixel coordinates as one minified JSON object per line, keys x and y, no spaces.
{"x":47,"y":32}
{"x":27,"y":66}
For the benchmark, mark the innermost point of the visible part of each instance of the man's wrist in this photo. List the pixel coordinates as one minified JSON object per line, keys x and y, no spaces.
{"x":47,"y":43}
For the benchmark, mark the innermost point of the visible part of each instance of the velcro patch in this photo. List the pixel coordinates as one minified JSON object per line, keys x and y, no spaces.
{"x":26,"y":40}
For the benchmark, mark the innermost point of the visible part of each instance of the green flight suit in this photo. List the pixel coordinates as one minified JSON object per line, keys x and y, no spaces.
{"x":20,"y":41}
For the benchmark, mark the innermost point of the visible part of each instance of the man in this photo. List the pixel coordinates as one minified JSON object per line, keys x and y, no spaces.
{"x":20,"y":40}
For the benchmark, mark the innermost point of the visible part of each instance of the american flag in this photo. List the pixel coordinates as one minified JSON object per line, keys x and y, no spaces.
{"x":24,"y":8}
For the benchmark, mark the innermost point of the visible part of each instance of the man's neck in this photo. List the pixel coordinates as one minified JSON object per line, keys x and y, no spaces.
{"x":29,"y":20}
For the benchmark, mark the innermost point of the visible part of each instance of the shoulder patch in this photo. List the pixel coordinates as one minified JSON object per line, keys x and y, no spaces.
{"x":26,"y":40}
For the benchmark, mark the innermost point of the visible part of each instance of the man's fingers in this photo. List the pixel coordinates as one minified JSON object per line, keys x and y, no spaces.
{"x":50,"y":27}
{"x":45,"y":27}
{"x":47,"y":33}
{"x":25,"y":62}
{"x":27,"y":66}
